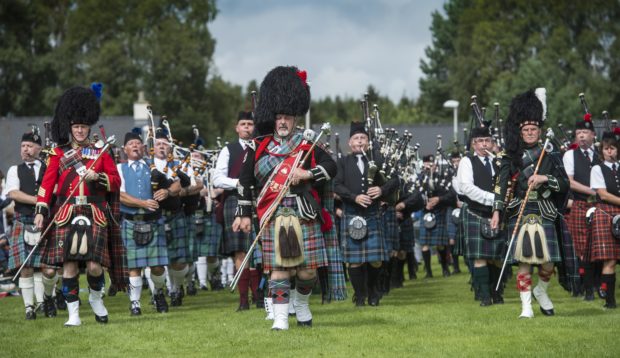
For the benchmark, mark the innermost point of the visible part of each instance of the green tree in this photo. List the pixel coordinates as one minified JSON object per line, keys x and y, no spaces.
{"x":497,"y":49}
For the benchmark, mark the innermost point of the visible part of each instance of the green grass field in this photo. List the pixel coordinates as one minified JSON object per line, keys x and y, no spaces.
{"x":436,"y":317}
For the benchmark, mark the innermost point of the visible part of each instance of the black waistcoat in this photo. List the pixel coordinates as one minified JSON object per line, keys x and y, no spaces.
{"x":582,"y":168}
{"x":29,"y":185}
{"x":235,"y":154}
{"x":612,"y":183}
{"x":482,"y":180}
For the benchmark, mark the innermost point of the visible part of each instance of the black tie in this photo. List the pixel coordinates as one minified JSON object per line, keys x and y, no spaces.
{"x":31,"y":168}
{"x":613,"y":168}
{"x":487,"y":164}
{"x":587,"y":156}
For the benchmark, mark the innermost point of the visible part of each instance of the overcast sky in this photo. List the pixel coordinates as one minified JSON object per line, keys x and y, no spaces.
{"x":343,"y":45}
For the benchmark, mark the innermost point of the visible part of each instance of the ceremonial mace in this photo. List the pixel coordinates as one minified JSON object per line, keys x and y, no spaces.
{"x":325,"y":128}
{"x":549,"y":136}
{"x":111,"y":140}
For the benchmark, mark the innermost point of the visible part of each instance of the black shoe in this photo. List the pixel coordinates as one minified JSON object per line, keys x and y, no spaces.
{"x":204,"y":288}
{"x":112,"y":290}
{"x":49,"y":307}
{"x":547,"y":312}
{"x":429,"y":274}
{"x":305,"y":324}
{"x":191,"y":289}
{"x":31,"y":313}
{"x":497,"y":299}
{"x":160,"y":302}
{"x":243,"y":307}
{"x":485,"y":301}
{"x":216,"y":285}
{"x":609,"y":305}
{"x":446,"y":273}
{"x":176,"y":299}
{"x":589,"y":295}
{"x":135,"y":308}
{"x":101,"y":319}
{"x":61,"y":304}
{"x":456,"y":271}
{"x":373,"y":301}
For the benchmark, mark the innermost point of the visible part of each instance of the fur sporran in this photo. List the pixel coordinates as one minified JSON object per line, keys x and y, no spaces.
{"x":288,"y":239}
{"x":531,"y":247}
{"x":485,"y":230}
{"x":32,"y":235}
{"x":615,"y":227}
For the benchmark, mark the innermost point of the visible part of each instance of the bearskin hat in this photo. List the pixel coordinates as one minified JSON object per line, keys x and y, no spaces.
{"x":283,"y":91}
{"x":528,"y":108}
{"x":78,"y":105}
{"x":357,"y":127}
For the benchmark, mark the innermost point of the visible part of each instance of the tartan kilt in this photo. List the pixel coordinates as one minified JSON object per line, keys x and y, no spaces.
{"x":604,"y":245}
{"x":234,"y":241}
{"x":406,"y":235}
{"x":452,"y":227}
{"x":477,"y":247}
{"x":177,"y":239}
{"x":209,"y":245}
{"x":550,"y":233}
{"x":155,"y":253}
{"x":438,"y":236}
{"x":315,"y":254}
{"x":390,"y":225}
{"x":18,"y":249}
{"x":370,"y":249}
{"x":578,"y":227}
{"x":54,"y":252}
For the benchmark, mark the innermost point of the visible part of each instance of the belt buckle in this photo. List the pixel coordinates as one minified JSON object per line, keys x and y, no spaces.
{"x":81,"y":200}
{"x":285,"y":211}
{"x":533,"y":195}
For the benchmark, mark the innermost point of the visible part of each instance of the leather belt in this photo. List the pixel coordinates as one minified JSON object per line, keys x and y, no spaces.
{"x":82,"y":200}
{"x":142,"y":217}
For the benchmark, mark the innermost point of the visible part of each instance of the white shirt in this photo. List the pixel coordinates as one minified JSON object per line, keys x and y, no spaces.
{"x":569,"y":157}
{"x":130,"y":162}
{"x":597,"y":181}
{"x":220,"y":174}
{"x":465,"y":181}
{"x":160,"y":164}
{"x":12,"y":180}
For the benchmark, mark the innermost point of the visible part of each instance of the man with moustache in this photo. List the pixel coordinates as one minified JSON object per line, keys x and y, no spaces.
{"x":293,"y":242}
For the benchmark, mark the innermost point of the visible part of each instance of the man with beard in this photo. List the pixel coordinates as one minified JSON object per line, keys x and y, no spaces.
{"x":293,"y":242}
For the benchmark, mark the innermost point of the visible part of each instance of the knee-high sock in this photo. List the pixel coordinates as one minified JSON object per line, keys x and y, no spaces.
{"x":212,"y":268}
{"x":357,"y":276}
{"x":304,"y":287}
{"x":230,"y":269}
{"x":26,"y":284}
{"x":96,"y":283}
{"x":244,"y":284}
{"x":481,"y":282}
{"x":158,"y":282}
{"x":48,"y":285}
{"x":280,"y":291}
{"x":443,"y":258}
{"x":149,"y":280}
{"x":254,"y":281}
{"x":426,"y":255}
{"x":608,"y":283}
{"x":168,"y":279}
{"x":38,"y":286}
{"x":373,"y":278}
{"x":71,"y":288}
{"x":189,"y":276}
{"x":176,"y":278}
{"x":201,"y":270}
{"x":135,"y":288}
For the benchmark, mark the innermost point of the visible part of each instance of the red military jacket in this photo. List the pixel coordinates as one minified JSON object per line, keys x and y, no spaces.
{"x":61,"y":171}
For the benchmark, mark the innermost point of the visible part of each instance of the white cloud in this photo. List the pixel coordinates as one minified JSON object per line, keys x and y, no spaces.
{"x":344,"y":46}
